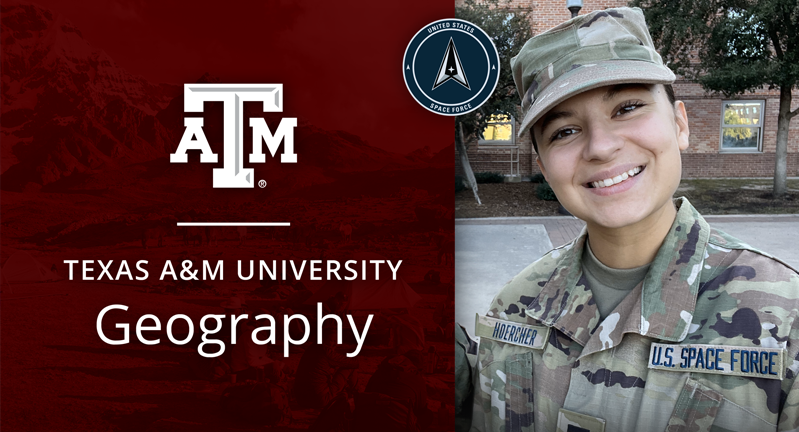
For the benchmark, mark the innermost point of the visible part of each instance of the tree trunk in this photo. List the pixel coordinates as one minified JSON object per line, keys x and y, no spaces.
{"x":467,"y":167}
{"x":781,"y":156}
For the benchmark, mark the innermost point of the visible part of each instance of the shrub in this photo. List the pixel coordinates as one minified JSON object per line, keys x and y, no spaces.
{"x":489,"y":177}
{"x":544,"y":192}
{"x":460,"y":183}
{"x":538,"y":178}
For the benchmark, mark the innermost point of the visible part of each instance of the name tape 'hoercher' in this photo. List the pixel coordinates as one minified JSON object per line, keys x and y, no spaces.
{"x":525,"y":335}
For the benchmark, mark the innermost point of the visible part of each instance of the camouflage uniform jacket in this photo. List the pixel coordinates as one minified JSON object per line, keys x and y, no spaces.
{"x":704,"y":287}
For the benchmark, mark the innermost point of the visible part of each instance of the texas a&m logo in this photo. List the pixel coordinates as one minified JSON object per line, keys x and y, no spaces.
{"x":233,"y":174}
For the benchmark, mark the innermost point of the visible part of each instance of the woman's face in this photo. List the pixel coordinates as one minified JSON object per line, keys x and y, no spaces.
{"x":612,"y":154}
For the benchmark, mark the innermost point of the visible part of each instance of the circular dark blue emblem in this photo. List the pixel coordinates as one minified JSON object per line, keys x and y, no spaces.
{"x":451,"y":67}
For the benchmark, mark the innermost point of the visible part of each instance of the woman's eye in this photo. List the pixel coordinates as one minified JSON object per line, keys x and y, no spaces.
{"x":628,"y":107}
{"x":562,"y":133}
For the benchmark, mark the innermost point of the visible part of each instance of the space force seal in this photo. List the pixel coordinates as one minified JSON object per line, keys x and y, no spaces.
{"x":525,"y":335}
{"x":752,"y":362}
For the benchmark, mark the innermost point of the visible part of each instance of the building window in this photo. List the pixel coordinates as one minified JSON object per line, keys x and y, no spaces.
{"x":499,"y":130}
{"x":742,"y":126}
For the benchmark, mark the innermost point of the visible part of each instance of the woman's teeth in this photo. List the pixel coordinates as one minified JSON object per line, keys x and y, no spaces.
{"x":618,"y":179}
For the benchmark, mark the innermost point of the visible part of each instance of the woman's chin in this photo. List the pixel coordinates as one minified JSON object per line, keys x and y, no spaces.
{"x":615,"y":217}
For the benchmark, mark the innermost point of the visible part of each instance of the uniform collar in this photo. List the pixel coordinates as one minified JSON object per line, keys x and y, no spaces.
{"x":668,"y":294}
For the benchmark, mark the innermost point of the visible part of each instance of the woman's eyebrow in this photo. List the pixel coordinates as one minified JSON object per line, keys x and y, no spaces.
{"x":552,"y":116}
{"x":614,"y":90}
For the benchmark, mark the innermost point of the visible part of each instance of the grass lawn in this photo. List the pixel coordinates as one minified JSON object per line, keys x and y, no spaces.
{"x":739,"y":196}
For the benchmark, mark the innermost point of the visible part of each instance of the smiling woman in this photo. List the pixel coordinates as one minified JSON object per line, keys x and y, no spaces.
{"x":599,"y":136}
{"x":647,"y":278}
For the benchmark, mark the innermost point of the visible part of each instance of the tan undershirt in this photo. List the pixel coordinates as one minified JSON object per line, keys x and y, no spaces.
{"x":609,"y":286}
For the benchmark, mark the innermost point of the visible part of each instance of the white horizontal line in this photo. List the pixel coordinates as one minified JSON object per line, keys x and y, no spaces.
{"x":234,"y":224}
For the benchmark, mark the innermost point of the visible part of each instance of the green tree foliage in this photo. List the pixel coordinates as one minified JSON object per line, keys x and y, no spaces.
{"x":732,"y":117}
{"x":509,"y":29}
{"x":733,"y":47}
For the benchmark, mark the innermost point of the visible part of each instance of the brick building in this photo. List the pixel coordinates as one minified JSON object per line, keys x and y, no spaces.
{"x":729,"y":137}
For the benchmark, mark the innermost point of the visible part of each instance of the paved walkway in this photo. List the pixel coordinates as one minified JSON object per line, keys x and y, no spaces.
{"x":490,"y":251}
{"x":560,"y":229}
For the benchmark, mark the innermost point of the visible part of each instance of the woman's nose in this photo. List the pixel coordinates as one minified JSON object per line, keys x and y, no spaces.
{"x":603,"y":142}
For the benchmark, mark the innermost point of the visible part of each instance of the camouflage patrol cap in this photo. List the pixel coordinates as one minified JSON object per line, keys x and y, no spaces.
{"x":598,"y":49}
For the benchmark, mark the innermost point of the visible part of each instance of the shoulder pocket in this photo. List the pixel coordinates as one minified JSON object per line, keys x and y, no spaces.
{"x":696,"y":409}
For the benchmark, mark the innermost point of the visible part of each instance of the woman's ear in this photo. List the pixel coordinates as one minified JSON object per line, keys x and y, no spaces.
{"x":541,"y":167}
{"x":681,"y":121}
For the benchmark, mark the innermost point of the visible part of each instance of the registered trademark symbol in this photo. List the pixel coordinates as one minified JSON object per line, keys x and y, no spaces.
{"x":261,"y":183}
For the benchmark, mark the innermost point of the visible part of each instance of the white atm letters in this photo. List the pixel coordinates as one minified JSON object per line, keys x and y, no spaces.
{"x":233,"y":174}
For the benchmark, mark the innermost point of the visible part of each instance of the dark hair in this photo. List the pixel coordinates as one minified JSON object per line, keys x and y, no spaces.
{"x":669,"y":95}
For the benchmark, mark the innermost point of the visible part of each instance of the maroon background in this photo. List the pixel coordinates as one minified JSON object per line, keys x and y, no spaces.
{"x":91,"y":108}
